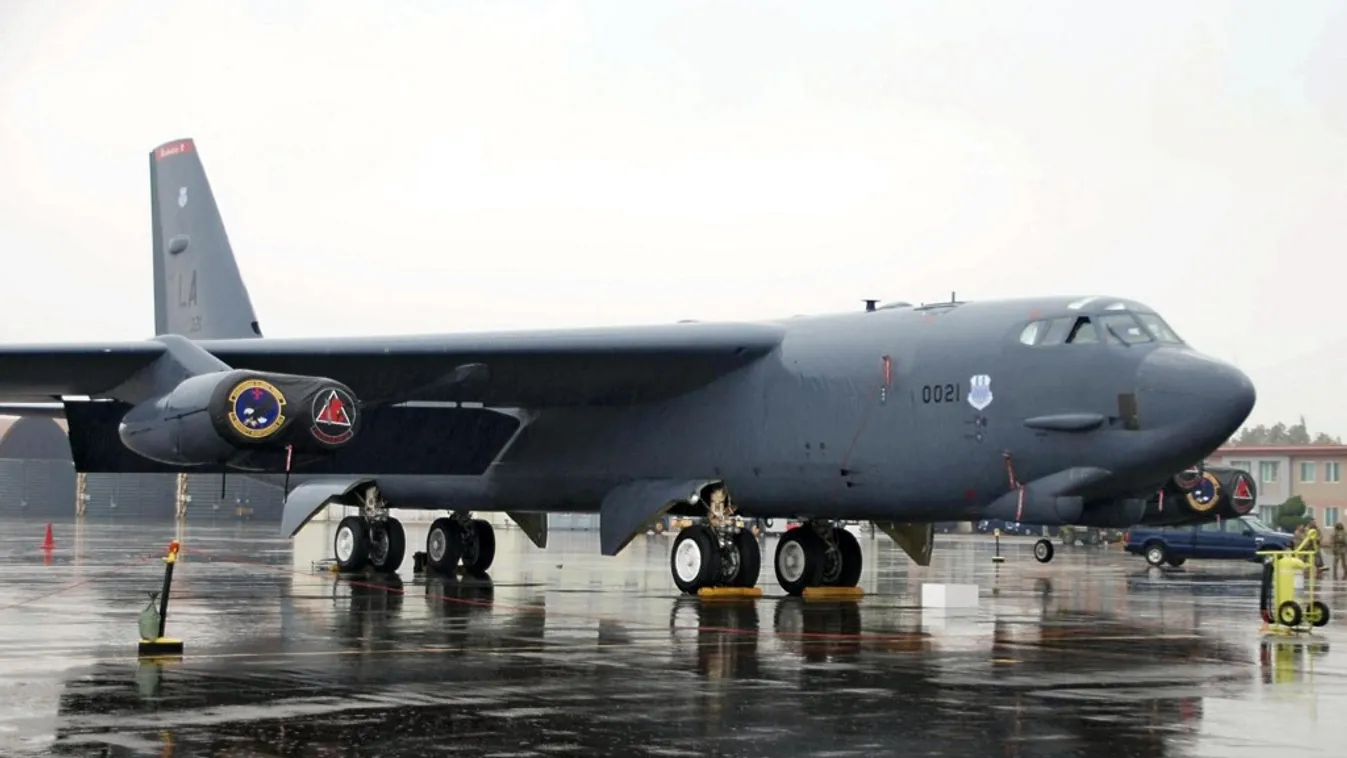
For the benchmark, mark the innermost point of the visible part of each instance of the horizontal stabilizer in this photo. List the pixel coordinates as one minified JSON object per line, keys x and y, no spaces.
{"x":42,"y":373}
{"x":36,"y":410}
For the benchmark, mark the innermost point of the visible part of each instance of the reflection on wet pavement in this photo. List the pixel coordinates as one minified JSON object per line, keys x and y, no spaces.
{"x":564,"y":652}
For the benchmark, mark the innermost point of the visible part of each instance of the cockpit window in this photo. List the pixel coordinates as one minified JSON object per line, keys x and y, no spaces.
{"x":1159,"y":328}
{"x":1030,"y":334}
{"x":1121,"y":327}
{"x":1083,"y":333}
{"x":1058,"y":328}
{"x":1114,"y":327}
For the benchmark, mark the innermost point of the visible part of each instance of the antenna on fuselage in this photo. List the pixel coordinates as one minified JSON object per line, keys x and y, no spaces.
{"x":870,"y":305}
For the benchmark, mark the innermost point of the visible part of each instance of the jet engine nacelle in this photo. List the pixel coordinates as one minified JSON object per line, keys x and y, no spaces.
{"x":1195,"y":496}
{"x":232,"y":417}
{"x":1200,"y":495}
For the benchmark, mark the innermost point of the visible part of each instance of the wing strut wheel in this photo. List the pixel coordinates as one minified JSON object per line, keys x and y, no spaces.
{"x":1043,"y":551}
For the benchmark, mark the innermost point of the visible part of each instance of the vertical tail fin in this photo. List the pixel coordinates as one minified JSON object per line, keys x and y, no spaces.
{"x":198,"y":291}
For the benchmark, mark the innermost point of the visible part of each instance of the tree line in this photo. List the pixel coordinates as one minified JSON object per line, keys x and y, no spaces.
{"x":1281,"y":434}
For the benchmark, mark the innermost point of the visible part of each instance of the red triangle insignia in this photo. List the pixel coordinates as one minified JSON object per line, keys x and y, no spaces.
{"x":1242,"y":489}
{"x":334,"y":411}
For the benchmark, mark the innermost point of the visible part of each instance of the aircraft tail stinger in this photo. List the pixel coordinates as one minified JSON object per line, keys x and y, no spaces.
{"x":198,"y":290}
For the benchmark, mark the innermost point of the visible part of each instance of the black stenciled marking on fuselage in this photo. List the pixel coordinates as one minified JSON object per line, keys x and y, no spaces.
{"x":942,"y":393}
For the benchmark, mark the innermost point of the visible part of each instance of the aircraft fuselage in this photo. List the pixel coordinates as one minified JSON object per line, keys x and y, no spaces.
{"x":902,"y":414}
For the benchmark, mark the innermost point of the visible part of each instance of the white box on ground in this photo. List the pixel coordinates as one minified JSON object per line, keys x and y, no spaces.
{"x":949,"y":596}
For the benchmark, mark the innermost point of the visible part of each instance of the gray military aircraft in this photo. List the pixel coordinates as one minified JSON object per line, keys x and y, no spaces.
{"x":1058,"y":410}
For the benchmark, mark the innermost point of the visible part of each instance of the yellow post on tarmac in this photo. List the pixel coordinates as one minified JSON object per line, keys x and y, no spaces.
{"x":159,"y":644}
{"x":998,"y":558}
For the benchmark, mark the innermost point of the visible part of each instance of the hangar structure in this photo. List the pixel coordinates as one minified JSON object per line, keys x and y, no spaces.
{"x":38,"y":480}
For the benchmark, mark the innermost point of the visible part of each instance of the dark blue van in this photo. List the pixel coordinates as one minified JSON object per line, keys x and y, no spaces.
{"x":1230,"y":539}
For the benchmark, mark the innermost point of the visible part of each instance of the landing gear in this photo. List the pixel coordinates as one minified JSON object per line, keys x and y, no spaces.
{"x":371,"y":539}
{"x":460,"y":538}
{"x":817,"y":554}
{"x":718,"y":553}
{"x":1043,"y":551}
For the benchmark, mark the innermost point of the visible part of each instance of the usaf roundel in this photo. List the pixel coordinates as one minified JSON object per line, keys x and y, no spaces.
{"x":1203,"y":496}
{"x":980,"y":391}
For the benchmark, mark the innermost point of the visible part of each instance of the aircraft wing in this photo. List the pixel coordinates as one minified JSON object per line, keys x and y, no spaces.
{"x":527,"y":369}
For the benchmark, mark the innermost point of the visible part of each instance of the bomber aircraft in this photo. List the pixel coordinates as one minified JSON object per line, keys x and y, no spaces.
{"x":1075,"y":410}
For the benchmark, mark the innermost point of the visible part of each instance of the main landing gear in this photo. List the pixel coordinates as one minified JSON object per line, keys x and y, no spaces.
{"x":720,"y":553}
{"x":460,"y":538}
{"x":717,"y":553}
{"x":817,"y":554}
{"x":373,"y":539}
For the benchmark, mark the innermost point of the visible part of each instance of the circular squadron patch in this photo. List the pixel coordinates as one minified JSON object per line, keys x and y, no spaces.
{"x":1204,"y":493}
{"x":256,"y":409}
{"x":333,"y":416}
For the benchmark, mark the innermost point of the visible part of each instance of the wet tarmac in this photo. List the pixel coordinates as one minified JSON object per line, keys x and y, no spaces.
{"x":563,"y":652}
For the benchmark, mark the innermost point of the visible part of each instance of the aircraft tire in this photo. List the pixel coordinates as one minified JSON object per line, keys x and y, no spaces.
{"x":750,"y":559}
{"x":444,"y":546}
{"x":479,"y":562}
{"x":388,"y":561}
{"x":852,"y":561}
{"x":350,"y":545}
{"x":694,"y":561}
{"x":799,"y":560}
{"x":1043,"y":551}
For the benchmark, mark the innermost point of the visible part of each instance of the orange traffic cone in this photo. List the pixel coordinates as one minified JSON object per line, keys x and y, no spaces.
{"x":49,"y":543}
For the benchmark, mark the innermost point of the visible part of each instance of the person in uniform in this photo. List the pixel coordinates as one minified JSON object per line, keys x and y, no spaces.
{"x":1311,"y":542}
{"x":1339,"y":549}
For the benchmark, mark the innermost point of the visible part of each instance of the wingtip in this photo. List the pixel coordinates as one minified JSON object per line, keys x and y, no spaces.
{"x":174,"y":147}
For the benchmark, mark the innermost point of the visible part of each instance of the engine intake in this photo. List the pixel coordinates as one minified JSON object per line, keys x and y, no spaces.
{"x":231,"y":417}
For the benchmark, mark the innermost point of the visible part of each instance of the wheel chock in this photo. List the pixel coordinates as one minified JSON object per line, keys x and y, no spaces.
{"x":721,"y":593}
{"x":161,"y":646}
{"x":833,"y":593}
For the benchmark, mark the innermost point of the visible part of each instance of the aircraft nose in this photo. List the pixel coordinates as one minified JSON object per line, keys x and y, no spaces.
{"x":1208,"y":396}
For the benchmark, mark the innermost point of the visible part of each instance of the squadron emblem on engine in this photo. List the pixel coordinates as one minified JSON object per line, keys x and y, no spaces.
{"x":333,"y":416}
{"x":1202,"y":497}
{"x":1242,"y":496}
{"x":256,"y":409}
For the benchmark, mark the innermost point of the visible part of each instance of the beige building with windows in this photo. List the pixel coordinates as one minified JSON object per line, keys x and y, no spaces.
{"x":1314,"y":472}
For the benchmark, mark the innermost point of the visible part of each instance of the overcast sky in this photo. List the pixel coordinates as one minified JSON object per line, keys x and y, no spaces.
{"x":438,"y":166}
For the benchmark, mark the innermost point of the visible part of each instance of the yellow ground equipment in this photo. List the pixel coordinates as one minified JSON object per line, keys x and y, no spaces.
{"x":1278,"y":601}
